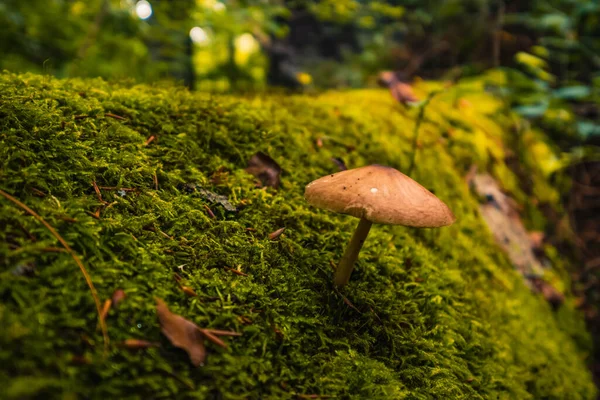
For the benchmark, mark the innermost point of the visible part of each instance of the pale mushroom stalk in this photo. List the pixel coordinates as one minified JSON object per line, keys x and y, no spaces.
{"x":346,"y":265}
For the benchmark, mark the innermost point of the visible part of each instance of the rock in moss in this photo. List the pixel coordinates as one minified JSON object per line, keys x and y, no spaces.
{"x":437,"y":313}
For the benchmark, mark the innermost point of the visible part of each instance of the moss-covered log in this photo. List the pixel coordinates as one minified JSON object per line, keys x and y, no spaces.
{"x":436,"y":313}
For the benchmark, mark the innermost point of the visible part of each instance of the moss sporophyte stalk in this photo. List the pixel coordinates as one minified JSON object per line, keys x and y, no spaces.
{"x":428,"y":313}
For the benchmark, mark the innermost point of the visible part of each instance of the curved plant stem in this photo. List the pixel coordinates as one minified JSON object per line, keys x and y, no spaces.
{"x":346,"y":265}
{"x":415,"y":141}
{"x":62,"y":241}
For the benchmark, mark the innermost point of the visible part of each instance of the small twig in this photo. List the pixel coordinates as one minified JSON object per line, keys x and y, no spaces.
{"x":149,"y":140}
{"x":31,"y":237}
{"x":165,"y":235}
{"x":218,"y":332}
{"x":62,"y":241}
{"x":376,"y":316}
{"x":155,"y":178}
{"x":115,"y":116}
{"x":98,"y":193}
{"x":348,"y":302}
{"x":66,"y":218}
{"x":38,"y":192}
{"x":135,"y":344}
{"x":95,"y":214}
{"x":81,"y":116}
{"x":117,"y":188}
{"x":106,"y":309}
{"x":235,"y":271}
{"x":209,"y":211}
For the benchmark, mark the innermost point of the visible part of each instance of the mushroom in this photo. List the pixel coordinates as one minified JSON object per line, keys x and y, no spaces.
{"x":375,"y":194}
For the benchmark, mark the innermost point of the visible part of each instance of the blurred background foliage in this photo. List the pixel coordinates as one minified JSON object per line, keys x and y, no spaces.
{"x":549,"y":51}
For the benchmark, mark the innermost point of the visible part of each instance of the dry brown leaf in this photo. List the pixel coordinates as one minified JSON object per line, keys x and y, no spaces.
{"x":264,"y":168}
{"x":274,"y":235}
{"x":550,"y":293}
{"x":118,"y":296}
{"x":188,"y":291}
{"x":402,"y":92}
{"x":181,"y":333}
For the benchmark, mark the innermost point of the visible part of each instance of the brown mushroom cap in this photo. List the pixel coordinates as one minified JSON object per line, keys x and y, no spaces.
{"x":381,"y":195}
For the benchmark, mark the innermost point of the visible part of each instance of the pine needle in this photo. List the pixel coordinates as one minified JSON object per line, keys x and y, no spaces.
{"x":86,"y":275}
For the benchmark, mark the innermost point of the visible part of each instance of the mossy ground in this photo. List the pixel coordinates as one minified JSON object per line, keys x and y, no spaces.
{"x":442,"y":312}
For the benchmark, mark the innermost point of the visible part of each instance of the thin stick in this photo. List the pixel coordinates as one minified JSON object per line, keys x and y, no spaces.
{"x":97,"y":190}
{"x":210,"y":212}
{"x":235,"y":271}
{"x":218,"y":332}
{"x":62,"y":241}
{"x":115,"y":116}
{"x":149,"y":140}
{"x":117,"y":188}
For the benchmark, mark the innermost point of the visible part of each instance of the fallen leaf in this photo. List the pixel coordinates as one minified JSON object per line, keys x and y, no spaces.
{"x":276,"y":234}
{"x":189,"y":291}
{"x":264,"y":168}
{"x":537,"y":239}
{"x":181,"y":333}
{"x":210,"y":196}
{"x":80,"y":360}
{"x":216,"y":198}
{"x":118,"y":296}
{"x":402,"y":92}
{"x":551,"y":294}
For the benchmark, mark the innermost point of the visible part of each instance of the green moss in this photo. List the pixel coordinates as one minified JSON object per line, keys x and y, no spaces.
{"x":442,"y":312}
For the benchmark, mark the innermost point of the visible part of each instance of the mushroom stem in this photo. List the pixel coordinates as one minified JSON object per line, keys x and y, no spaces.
{"x":346,"y":265}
